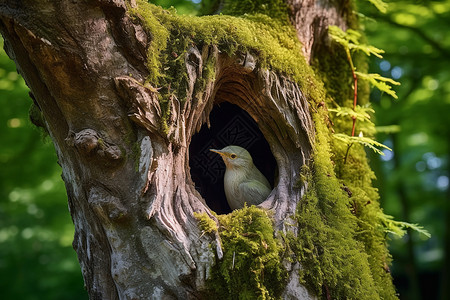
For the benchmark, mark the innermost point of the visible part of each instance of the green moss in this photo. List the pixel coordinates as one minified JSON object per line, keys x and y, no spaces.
{"x":340,"y":244}
{"x":334,"y":259}
{"x":348,"y":183}
{"x":272,"y":40}
{"x":354,"y":173}
{"x":358,"y":177}
{"x":206,"y":224}
{"x":276,"y":9}
{"x":251,"y":267}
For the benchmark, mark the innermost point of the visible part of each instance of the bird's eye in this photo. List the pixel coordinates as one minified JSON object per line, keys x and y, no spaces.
{"x":233,"y":156}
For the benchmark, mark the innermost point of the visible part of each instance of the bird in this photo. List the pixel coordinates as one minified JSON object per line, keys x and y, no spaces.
{"x":243,"y":182}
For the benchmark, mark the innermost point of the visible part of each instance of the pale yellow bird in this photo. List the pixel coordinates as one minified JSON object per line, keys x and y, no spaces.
{"x":243,"y":182}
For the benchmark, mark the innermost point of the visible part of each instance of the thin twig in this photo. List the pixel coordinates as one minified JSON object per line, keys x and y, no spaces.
{"x":346,"y":153}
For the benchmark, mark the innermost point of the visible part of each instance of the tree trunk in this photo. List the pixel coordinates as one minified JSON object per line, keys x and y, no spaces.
{"x":124,"y":149}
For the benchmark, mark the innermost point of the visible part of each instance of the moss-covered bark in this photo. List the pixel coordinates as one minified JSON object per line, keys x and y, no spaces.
{"x":339,"y":242}
{"x":148,"y":222}
{"x":252,"y":266}
{"x":273,"y":41}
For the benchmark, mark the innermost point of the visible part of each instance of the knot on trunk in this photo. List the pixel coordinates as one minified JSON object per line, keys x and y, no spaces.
{"x":90,"y":144}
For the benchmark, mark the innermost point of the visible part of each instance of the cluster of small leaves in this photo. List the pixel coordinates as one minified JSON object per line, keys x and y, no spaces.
{"x":360,"y":113}
{"x":368,"y":142}
{"x":350,"y":41}
{"x":380,"y":82}
{"x":399,"y":228}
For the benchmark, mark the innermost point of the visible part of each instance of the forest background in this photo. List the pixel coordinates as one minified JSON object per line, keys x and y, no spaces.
{"x":36,"y":232}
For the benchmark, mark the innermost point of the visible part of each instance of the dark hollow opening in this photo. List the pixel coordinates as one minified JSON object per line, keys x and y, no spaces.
{"x":230,"y":125}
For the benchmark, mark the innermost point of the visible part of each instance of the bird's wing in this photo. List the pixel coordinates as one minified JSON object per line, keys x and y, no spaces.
{"x":254,"y":192}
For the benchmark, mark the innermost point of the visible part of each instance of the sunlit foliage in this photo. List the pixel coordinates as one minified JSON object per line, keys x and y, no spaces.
{"x":414,"y":178}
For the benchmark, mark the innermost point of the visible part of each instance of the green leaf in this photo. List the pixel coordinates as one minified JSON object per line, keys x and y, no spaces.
{"x":380,"y":82}
{"x":398,"y":228}
{"x":380,"y":5}
{"x":360,"y":113}
{"x":350,"y":40}
{"x":368,"y":142}
{"x":342,"y":37}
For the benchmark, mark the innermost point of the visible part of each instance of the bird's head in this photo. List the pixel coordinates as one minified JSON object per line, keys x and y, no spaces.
{"x":235,"y":156}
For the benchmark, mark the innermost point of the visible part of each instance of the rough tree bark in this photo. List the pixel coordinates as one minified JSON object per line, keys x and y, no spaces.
{"x":130,"y":193}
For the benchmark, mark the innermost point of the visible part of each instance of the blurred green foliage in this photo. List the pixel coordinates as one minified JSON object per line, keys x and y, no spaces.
{"x":414,"y":178}
{"x":36,"y":232}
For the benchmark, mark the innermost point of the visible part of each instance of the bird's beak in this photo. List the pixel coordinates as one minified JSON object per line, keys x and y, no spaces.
{"x":223,"y":154}
{"x":216,"y":151}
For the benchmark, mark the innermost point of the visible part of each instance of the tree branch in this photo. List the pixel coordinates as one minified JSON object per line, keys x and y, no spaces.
{"x":419,"y":32}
